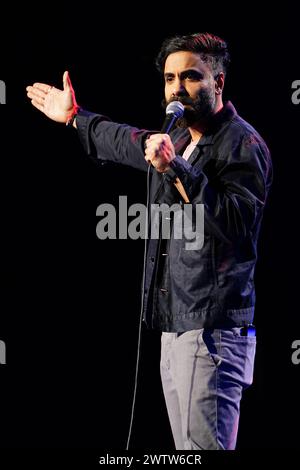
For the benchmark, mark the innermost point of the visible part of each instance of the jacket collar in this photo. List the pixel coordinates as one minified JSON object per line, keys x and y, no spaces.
{"x":217,"y":121}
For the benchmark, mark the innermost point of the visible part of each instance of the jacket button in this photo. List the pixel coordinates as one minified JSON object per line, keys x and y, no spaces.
{"x":164,"y":254}
{"x":163,"y":290}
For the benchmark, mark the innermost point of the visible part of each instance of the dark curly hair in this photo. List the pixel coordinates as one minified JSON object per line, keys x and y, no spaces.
{"x":212,"y":49}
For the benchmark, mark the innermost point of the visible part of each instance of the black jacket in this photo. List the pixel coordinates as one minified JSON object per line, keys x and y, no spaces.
{"x":230,"y":173}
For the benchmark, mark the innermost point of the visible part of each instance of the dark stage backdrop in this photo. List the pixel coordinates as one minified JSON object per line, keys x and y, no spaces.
{"x":70,"y":302}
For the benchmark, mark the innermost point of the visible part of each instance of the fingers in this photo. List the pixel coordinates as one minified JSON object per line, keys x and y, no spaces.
{"x":159,"y":151}
{"x":37,"y":105}
{"x":42,"y":87}
{"x":35,"y":92}
{"x":158,"y":141}
{"x":154,"y":146}
{"x":38,"y":93}
{"x":155,"y":141}
{"x":150,"y":154}
{"x":36,"y":96}
{"x":66,"y":80}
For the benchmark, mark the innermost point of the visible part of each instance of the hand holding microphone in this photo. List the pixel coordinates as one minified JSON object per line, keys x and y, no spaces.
{"x":159,"y":147}
{"x":159,"y":152}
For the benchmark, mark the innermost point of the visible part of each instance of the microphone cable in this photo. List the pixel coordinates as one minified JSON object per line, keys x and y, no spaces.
{"x":174,"y":110}
{"x":141,"y":313}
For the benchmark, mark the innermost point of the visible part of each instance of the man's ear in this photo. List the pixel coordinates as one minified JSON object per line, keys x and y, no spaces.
{"x":219,"y":82}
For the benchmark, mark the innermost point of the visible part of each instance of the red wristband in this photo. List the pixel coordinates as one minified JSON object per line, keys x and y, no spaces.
{"x":72,"y":116}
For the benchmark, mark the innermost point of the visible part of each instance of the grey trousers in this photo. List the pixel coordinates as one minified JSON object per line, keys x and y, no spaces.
{"x":203,"y":374}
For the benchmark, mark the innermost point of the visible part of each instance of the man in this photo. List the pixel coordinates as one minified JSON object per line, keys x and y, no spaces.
{"x":202,"y":299}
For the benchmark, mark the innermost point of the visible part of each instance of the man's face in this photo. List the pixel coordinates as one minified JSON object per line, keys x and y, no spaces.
{"x":189,"y":80}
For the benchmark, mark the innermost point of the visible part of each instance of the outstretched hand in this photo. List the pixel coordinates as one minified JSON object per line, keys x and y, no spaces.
{"x":56,"y":104}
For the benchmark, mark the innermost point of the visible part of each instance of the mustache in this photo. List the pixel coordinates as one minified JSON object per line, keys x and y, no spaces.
{"x":185,"y":100}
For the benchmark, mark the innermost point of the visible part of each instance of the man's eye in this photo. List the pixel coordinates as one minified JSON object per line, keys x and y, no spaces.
{"x":169,"y":79}
{"x":193,"y":76}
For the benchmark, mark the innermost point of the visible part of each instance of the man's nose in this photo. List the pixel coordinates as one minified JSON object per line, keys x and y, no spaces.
{"x":179,"y":89}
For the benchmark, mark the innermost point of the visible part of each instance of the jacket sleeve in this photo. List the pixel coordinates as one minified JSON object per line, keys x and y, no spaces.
{"x":234,"y":193}
{"x":108,"y":141}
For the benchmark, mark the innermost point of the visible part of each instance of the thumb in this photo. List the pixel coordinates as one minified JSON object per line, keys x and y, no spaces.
{"x":66,"y":81}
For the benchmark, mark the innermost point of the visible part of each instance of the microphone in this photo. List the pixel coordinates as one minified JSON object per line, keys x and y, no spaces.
{"x":174,"y":110}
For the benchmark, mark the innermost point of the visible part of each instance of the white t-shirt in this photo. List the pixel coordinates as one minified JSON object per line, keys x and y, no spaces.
{"x":189,"y":150}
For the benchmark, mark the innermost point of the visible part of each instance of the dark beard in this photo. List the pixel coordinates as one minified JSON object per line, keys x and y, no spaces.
{"x":200,"y":110}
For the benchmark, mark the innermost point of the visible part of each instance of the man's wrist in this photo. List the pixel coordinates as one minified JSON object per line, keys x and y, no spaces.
{"x":71,"y":121}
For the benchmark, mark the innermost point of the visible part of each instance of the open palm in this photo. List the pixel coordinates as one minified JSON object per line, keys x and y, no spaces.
{"x":54,"y":103}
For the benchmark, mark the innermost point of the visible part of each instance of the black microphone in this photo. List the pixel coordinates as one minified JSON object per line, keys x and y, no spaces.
{"x":174,"y":111}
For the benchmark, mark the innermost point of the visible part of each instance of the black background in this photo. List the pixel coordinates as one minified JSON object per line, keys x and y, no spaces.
{"x":70,"y":302}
